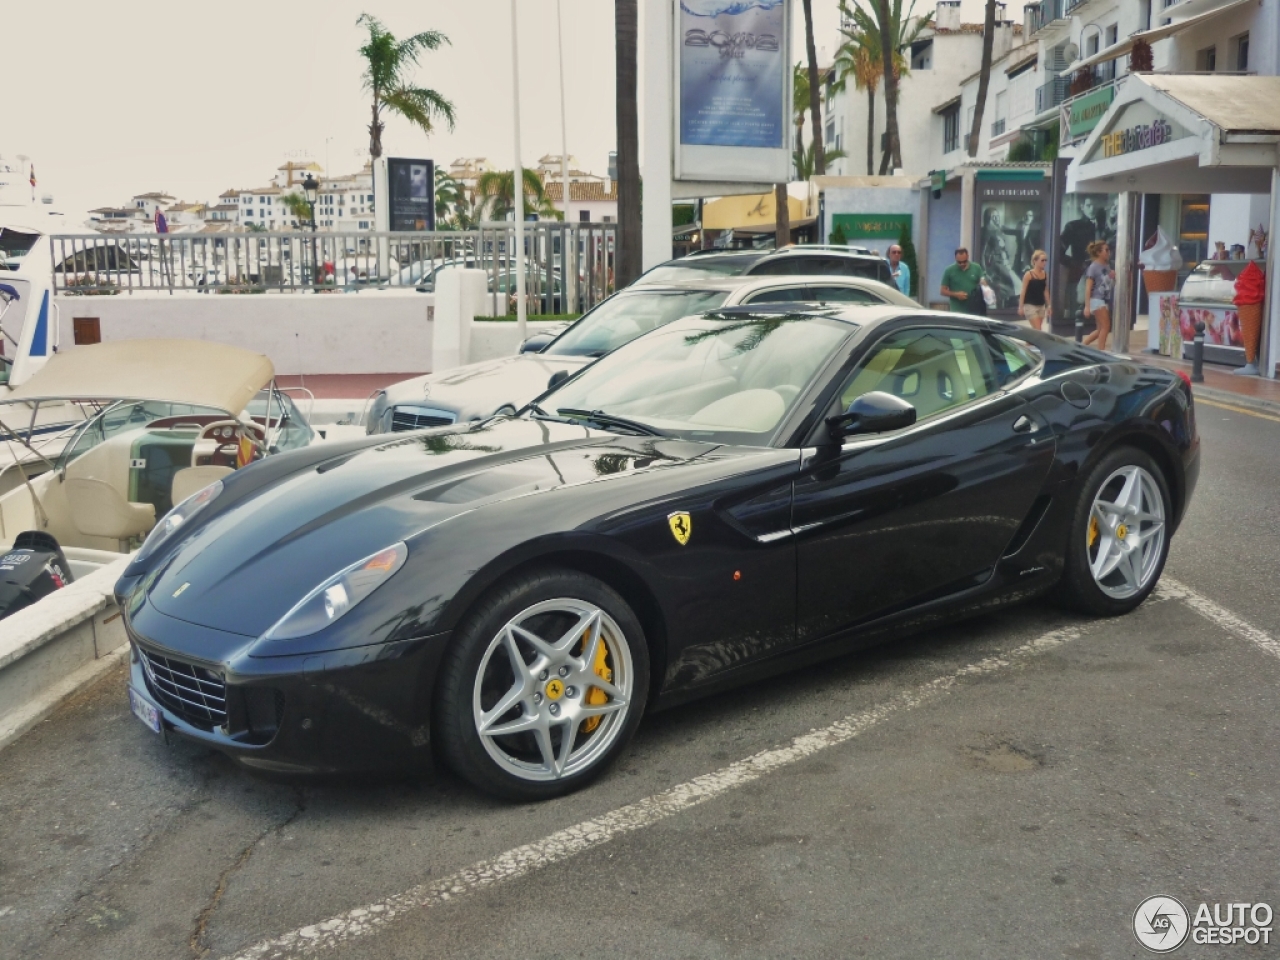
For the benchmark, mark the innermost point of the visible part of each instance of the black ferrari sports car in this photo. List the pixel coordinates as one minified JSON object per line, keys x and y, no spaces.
{"x":729,"y":496}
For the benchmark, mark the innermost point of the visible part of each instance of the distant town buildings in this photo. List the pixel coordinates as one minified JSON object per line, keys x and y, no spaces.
{"x":344,"y":202}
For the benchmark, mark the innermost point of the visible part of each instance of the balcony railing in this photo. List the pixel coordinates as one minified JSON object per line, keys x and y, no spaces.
{"x":576,"y":256}
{"x":1046,"y":12}
{"x":1051,"y":94}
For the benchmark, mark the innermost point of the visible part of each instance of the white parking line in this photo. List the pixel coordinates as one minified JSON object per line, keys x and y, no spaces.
{"x":593,"y":833}
{"x":1223,"y":617}
{"x":598,"y":831}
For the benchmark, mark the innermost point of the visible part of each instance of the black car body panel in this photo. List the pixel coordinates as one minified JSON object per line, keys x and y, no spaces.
{"x":799,"y":549}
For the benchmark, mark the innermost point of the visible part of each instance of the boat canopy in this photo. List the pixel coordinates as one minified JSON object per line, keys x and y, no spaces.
{"x":198,"y":372}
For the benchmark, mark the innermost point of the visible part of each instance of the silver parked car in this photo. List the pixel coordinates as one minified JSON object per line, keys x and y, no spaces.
{"x":480,"y":390}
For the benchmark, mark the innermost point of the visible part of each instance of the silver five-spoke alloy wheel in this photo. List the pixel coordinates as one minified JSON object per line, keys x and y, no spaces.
{"x":553,"y":689}
{"x":1125,"y":533}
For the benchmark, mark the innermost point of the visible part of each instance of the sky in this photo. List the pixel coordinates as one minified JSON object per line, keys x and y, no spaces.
{"x":110,"y":100}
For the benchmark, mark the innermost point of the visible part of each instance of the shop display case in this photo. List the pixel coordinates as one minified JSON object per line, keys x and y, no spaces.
{"x":1206,"y":296}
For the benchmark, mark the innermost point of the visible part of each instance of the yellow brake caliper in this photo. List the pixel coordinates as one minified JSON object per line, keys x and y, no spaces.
{"x":1093,"y":531}
{"x":595,"y":696}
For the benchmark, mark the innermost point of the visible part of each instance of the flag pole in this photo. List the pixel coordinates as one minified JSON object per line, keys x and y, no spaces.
{"x":517,"y":182}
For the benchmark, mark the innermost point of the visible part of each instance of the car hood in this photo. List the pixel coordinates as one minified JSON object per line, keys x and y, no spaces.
{"x":247,"y":566}
{"x":479,"y":389}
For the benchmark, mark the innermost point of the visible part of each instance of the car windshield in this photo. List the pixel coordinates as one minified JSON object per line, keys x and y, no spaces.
{"x":722,"y":378}
{"x":622,"y":318}
{"x":699,"y":268}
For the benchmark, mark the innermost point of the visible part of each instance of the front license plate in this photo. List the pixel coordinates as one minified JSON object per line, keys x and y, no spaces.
{"x":144,"y":710}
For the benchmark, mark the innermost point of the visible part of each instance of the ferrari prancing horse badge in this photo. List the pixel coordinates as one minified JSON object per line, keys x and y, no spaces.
{"x":681,"y":526}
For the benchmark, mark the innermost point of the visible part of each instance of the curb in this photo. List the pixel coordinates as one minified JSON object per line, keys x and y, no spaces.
{"x":52,"y":649}
{"x":1259,"y":404}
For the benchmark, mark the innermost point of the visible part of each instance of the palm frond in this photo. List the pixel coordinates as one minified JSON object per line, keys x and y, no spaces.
{"x":419,"y":106}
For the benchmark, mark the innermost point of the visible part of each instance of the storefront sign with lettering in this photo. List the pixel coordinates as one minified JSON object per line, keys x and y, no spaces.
{"x":1141,"y":137}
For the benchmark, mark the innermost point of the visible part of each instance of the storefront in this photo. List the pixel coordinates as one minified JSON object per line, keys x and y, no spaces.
{"x":1167,"y":145}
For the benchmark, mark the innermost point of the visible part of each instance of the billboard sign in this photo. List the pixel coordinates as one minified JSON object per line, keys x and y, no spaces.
{"x":411,"y":194}
{"x":733,"y":90}
{"x":1010,"y":227}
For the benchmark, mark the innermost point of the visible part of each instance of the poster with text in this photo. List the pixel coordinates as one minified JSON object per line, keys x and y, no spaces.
{"x":1011,"y":227}
{"x":411,"y":188}
{"x":733,"y":73}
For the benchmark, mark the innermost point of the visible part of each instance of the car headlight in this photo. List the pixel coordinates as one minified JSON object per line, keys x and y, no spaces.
{"x":337,"y":595}
{"x":175,"y":519}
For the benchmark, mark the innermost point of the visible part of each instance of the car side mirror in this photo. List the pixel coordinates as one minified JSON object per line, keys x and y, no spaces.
{"x":557,"y":378}
{"x":537,"y":343}
{"x":874,"y":412}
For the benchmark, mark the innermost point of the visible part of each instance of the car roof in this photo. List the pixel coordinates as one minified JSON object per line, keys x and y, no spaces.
{"x":822,"y":250}
{"x":740,"y":284}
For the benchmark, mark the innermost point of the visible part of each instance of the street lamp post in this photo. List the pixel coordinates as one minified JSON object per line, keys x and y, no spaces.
{"x":311,"y":189}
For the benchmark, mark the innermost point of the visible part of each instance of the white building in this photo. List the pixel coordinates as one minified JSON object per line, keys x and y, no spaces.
{"x":345,"y":203}
{"x":590,"y":201}
{"x":941,"y":58}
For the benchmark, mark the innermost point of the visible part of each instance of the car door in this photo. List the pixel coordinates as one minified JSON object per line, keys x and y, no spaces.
{"x":885,"y":522}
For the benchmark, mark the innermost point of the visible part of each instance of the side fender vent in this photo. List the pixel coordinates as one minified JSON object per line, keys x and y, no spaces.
{"x":1033,"y":518}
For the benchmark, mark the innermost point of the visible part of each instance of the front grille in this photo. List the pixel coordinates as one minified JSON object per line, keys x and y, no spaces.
{"x":196,"y":694}
{"x":418,"y":418}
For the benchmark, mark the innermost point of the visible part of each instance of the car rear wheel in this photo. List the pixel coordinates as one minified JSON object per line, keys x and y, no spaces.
{"x":1119,"y":535}
{"x":543,"y":686}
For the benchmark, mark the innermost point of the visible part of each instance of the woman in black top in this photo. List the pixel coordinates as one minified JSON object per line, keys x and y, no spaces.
{"x":1033,"y":304}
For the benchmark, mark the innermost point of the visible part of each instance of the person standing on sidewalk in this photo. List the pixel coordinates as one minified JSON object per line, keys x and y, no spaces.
{"x":1099,"y":284}
{"x":962,"y":283}
{"x":900,"y":271}
{"x":1033,"y":304}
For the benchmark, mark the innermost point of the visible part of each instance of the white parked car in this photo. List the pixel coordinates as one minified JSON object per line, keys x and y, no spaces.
{"x":480,"y":390}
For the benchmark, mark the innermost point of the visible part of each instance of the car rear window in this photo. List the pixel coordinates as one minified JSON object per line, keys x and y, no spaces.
{"x":818,"y":265}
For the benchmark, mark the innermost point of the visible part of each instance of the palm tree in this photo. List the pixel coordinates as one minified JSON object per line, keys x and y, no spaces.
{"x":803,"y":159}
{"x":387,"y":63}
{"x":868,"y":55}
{"x":800,"y":103}
{"x":627,"y":260}
{"x":984,"y":76}
{"x":296,"y":204}
{"x":815,"y":88}
{"x":449,"y":194}
{"x":496,"y":196}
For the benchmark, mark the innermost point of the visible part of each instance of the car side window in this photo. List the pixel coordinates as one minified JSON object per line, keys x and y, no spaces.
{"x":784,"y":295}
{"x":831,"y":294}
{"x":1013,"y":358}
{"x":781,"y":267}
{"x":933,"y":368}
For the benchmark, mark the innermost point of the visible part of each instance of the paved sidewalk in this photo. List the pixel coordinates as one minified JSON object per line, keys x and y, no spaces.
{"x":1222,"y":385}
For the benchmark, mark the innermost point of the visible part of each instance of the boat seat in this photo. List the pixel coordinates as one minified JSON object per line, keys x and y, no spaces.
{"x":194,"y":479}
{"x":100,"y":510}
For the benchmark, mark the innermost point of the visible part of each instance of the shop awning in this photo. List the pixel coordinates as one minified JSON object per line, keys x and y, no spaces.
{"x":1118,"y":50}
{"x":1184,"y":133}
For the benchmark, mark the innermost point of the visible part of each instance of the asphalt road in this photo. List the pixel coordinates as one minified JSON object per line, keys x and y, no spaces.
{"x":1013,"y":786}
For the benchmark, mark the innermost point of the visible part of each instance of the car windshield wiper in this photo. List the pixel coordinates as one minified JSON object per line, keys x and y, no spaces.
{"x":609,"y":420}
{"x":541,"y":414}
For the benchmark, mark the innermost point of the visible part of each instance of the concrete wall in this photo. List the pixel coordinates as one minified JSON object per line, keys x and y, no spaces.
{"x":944,"y":237}
{"x":873,"y":195}
{"x":368,"y":332}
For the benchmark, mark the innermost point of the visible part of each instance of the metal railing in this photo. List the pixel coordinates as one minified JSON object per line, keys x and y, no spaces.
{"x":1051,"y":94}
{"x":568,"y":266}
{"x":1046,"y":12}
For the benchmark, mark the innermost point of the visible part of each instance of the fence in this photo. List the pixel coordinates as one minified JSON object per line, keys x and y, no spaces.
{"x":568,"y":266}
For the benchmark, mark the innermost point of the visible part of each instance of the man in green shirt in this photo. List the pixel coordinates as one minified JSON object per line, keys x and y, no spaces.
{"x":961,"y":283}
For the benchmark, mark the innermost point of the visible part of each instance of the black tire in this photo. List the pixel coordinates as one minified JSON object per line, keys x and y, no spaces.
{"x":515,"y":766}
{"x":1079,"y":588}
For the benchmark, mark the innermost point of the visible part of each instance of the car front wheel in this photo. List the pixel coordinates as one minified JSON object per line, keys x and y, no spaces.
{"x":1119,"y":535}
{"x":542,"y":687}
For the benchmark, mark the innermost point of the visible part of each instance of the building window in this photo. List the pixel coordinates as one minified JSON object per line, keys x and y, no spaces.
{"x":364,"y":224}
{"x":951,"y":129}
{"x":1207,"y":60}
{"x":1241,"y":44}
{"x":584,"y":216}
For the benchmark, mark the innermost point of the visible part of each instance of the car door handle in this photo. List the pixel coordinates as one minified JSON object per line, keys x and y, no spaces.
{"x":1025,"y":424}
